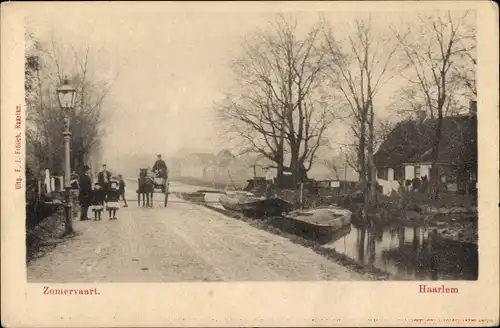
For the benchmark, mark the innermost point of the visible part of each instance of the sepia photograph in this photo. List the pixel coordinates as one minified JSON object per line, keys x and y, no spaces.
{"x":231,"y":146}
{"x":311,"y":148}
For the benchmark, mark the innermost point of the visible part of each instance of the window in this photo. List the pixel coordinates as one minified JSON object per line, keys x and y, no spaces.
{"x":417,"y":171}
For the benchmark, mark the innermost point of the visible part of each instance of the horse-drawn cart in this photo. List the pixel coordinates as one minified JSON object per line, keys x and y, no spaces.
{"x":148,"y":183}
{"x":159,"y":182}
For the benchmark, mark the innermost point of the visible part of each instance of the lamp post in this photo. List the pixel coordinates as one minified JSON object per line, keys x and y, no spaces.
{"x":66,"y":95}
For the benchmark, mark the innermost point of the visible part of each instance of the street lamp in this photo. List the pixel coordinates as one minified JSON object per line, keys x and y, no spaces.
{"x":66,"y":95}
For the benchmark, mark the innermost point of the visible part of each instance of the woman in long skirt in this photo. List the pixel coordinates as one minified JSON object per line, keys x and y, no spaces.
{"x":112,"y":198}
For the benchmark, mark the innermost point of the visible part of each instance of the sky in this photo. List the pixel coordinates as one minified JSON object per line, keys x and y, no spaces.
{"x":168,"y":67}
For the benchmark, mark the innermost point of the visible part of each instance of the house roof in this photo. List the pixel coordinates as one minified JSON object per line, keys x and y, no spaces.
{"x":225,"y":153}
{"x":224,"y":157}
{"x":411,"y":142}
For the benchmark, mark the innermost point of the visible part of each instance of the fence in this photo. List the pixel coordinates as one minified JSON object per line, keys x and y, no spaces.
{"x":37,"y":205}
{"x":44,"y":197}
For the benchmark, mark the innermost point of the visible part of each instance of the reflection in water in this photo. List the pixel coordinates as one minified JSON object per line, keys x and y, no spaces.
{"x":410,"y":253}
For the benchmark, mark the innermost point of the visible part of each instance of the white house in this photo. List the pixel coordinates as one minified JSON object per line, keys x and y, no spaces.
{"x":407,"y":152}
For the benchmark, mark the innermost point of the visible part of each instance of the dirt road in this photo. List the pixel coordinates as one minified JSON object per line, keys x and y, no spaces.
{"x":184,"y":242}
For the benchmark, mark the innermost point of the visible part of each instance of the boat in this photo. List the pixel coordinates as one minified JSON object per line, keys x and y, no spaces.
{"x":250,"y":204}
{"x":195,"y":197}
{"x":321,"y":224}
{"x":331,"y":217}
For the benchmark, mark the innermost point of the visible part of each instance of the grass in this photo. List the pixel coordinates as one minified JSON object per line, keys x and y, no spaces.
{"x":42,"y":238}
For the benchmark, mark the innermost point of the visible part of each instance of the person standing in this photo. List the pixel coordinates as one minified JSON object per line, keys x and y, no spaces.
{"x":98,"y":198}
{"x":74,"y":191}
{"x":121,"y":189}
{"x":104,"y":178}
{"x":85,"y":193}
{"x":112,"y":198}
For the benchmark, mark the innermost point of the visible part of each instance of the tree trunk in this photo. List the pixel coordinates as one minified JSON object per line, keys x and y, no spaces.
{"x":294,"y":164}
{"x":280,"y":168}
{"x":279,"y":176}
{"x":361,"y":157}
{"x":362,"y":174}
{"x":279,"y":173}
{"x":302,"y":173}
{"x":372,"y":171}
{"x":294,"y":169}
{"x":435,"y":179}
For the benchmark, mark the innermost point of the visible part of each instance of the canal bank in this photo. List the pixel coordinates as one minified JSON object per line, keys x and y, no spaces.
{"x":392,"y":249}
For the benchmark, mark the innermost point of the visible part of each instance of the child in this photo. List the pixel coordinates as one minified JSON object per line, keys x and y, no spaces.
{"x":121,"y":189}
{"x":97,"y":201}
{"x":113,"y":196}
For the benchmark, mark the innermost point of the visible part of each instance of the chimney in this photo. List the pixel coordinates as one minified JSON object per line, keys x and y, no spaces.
{"x":472,"y":108}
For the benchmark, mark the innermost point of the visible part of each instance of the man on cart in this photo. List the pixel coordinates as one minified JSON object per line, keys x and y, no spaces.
{"x":160,"y":168}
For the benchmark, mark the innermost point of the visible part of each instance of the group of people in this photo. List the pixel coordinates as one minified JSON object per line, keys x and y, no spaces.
{"x":417,"y":184}
{"x":105,"y":194}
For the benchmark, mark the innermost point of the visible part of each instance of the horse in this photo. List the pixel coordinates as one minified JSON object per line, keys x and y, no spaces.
{"x":145,"y":188}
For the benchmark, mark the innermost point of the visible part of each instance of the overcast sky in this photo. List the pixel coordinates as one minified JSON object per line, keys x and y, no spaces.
{"x":168,"y":67}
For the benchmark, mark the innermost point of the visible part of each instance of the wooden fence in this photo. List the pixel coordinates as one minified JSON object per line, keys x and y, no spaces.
{"x":44,"y":197}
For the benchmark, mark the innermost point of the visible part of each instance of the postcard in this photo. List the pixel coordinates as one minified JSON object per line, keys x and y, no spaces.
{"x":250,"y":164}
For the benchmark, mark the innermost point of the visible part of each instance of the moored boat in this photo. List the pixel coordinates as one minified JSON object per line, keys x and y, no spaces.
{"x":329,"y":217}
{"x":250,"y":204}
{"x":322,"y":224}
{"x":197,"y":197}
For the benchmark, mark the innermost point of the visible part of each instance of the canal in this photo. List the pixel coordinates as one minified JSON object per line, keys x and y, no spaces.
{"x":409,"y":252}
{"x":405,"y":252}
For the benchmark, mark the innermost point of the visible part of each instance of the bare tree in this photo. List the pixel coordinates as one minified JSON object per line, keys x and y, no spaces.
{"x":359,"y":67}
{"x":278,"y":107}
{"x":333,"y":166}
{"x":465,"y":69}
{"x":432,"y":54}
{"x":46,"y":70}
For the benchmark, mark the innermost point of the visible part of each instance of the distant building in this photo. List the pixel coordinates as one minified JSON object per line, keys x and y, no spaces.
{"x":174,"y":166}
{"x":197,"y":165}
{"x":407,"y":151}
{"x":224,"y":167}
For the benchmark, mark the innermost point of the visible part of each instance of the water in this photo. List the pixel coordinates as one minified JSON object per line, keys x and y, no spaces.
{"x":409,"y":253}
